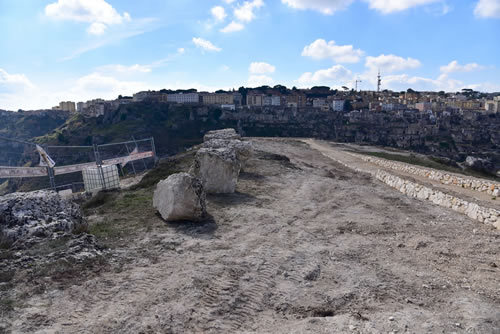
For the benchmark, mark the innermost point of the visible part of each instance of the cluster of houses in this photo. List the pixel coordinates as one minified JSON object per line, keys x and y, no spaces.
{"x":318,"y":98}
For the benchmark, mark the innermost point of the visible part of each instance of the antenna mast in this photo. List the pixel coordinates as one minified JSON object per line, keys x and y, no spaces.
{"x":356,"y":85}
{"x":379,"y":81}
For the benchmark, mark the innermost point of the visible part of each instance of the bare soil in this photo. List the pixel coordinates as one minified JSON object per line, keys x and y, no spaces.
{"x":305,"y":245}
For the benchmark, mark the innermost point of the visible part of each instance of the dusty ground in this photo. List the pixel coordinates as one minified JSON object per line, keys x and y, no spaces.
{"x":305,"y":245}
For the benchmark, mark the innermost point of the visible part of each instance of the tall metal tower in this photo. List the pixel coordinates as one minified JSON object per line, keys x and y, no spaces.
{"x":356,"y":84}
{"x":379,"y":82}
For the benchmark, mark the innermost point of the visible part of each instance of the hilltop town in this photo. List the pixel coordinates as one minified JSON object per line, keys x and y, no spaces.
{"x":320,"y":98}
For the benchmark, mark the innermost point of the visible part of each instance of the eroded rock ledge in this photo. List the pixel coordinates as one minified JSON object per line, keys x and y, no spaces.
{"x":37,"y":214}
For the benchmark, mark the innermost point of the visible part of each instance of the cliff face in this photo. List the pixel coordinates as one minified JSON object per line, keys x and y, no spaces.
{"x":176,"y":127}
{"x":25,"y":125}
{"x":452,"y":136}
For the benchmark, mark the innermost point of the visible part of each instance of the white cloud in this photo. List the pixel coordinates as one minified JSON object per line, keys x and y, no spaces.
{"x":127,"y":70}
{"x":400,"y":82}
{"x":205,"y":45}
{"x":327,"y":7}
{"x":245,"y":12}
{"x":13,"y":82}
{"x":219,"y":13}
{"x":391,"y":6}
{"x":320,"y":49}
{"x":390,"y":63}
{"x":17,"y":91}
{"x":260,"y":80}
{"x":261,"y":68}
{"x":96,"y":28}
{"x":98,"y":13}
{"x":487,"y":9}
{"x":454,"y":66}
{"x":337,"y":74}
{"x":228,"y":1}
{"x":181,"y":51}
{"x":233,"y":27}
{"x":107,"y":87}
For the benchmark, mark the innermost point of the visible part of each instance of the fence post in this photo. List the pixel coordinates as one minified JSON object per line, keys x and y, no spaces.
{"x":137,"y":147}
{"x":132,"y":162}
{"x":98,"y":161}
{"x":50,"y":173}
{"x":153,"y":147}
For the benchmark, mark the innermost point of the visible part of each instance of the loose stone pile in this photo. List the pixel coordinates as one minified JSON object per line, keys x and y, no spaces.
{"x":490,"y":188}
{"x":215,"y":170}
{"x":37,"y":214}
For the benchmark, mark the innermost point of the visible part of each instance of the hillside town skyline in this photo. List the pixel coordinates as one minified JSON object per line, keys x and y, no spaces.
{"x":78,"y":50}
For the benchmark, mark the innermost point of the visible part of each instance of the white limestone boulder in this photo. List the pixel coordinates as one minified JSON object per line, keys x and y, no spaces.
{"x":180,"y":197}
{"x":243,"y":149}
{"x":218,"y":169}
{"x":221,"y":134}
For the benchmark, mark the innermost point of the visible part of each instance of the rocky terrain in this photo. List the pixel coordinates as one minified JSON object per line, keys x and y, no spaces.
{"x":304,"y":244}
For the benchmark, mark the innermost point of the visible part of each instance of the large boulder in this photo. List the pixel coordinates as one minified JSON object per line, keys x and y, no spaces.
{"x":221,"y":134}
{"x":480,"y":164}
{"x":243,"y":149}
{"x":218,"y":169}
{"x":180,"y":197}
{"x":37,"y":214}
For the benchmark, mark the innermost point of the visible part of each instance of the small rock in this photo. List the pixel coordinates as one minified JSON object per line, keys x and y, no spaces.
{"x":391,"y":318}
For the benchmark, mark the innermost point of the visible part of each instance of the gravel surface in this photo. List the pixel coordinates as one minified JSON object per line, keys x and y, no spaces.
{"x":305,"y":245}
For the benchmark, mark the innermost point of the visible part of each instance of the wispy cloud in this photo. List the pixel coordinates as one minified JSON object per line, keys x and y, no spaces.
{"x":135,"y":28}
{"x":205,"y":45}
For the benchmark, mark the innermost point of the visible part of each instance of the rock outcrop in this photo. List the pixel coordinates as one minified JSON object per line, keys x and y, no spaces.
{"x":218,"y":169}
{"x":226,"y":134}
{"x":37,"y":214}
{"x":180,"y":197}
{"x":243,"y":149}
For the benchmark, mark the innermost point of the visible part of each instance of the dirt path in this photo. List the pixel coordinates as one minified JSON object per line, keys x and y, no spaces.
{"x":305,"y":245}
{"x":336,"y":152}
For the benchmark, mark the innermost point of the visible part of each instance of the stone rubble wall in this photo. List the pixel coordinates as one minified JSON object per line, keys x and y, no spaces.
{"x":411,"y":189}
{"x":474,"y":211}
{"x":486,"y":186}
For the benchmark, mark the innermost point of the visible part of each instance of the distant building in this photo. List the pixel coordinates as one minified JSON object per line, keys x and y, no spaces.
{"x":296,"y":99}
{"x":80,"y":106}
{"x":319,"y":103}
{"x":141,"y":96}
{"x":338,"y":105}
{"x":184,"y":98}
{"x":272,"y":100}
{"x":423,"y":106}
{"x":237,"y":99}
{"x":217,"y":98}
{"x":254,"y":100}
{"x":66,"y":106}
{"x":493,"y":106}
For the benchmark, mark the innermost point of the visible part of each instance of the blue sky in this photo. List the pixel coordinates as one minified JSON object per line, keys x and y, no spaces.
{"x":54,"y":50}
